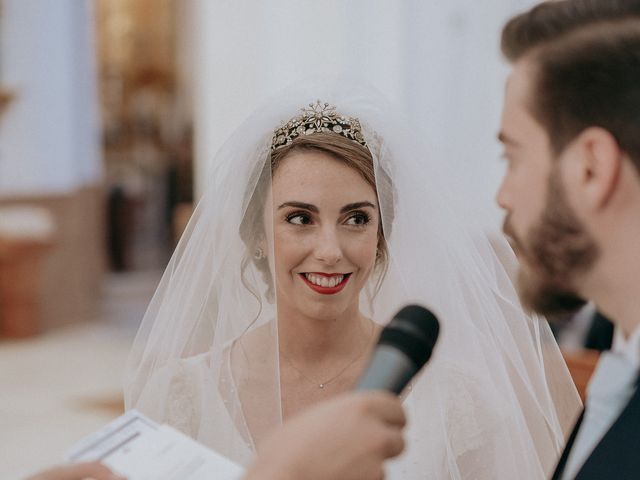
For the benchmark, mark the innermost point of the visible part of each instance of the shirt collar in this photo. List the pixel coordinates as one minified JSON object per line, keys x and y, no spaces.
{"x":629,"y":347}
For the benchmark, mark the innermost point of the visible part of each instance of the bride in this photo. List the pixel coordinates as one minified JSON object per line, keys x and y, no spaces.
{"x":312,"y":233}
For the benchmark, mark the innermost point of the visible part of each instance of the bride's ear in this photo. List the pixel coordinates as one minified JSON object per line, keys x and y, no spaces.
{"x":260,"y":248}
{"x":259,"y":253}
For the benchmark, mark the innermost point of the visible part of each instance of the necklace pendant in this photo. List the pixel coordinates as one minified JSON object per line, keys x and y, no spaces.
{"x":321,"y":385}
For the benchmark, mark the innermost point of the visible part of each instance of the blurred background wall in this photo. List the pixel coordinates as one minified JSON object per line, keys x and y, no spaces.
{"x":110,"y":114}
{"x":118,"y":106}
{"x":438,"y":61}
{"x":50,"y":149}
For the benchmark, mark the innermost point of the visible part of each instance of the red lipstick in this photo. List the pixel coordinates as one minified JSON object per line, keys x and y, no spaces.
{"x":326,"y":290}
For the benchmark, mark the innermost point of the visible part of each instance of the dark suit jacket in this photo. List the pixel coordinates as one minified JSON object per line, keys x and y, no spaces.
{"x":617,"y":456}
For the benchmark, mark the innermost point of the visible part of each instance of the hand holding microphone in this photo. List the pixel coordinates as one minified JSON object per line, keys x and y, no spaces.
{"x":347,"y":437}
{"x":352,"y":435}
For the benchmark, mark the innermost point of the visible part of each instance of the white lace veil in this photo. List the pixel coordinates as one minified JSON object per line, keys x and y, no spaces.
{"x":495,"y":400}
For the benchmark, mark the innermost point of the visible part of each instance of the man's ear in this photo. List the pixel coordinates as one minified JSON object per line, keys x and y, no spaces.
{"x":598,"y":160}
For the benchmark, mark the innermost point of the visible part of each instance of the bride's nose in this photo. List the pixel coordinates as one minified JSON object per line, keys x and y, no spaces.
{"x":327,"y":246}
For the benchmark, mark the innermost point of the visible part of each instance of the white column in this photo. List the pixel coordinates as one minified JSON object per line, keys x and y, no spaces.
{"x":248,"y":51}
{"x":375,"y":44}
{"x":440,"y":61}
{"x":227,"y":81}
{"x":454,"y":85}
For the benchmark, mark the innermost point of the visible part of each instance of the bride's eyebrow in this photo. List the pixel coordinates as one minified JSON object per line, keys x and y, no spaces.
{"x":301,"y":205}
{"x":356,"y":205}
{"x":314,"y":209}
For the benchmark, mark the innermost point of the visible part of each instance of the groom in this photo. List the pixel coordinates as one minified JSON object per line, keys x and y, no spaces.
{"x":571,"y":193}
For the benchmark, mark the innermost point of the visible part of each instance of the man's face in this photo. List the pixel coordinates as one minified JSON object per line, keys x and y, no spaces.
{"x":551,"y":243}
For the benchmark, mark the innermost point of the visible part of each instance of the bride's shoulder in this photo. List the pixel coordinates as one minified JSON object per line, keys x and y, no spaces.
{"x":177,"y":377}
{"x":171,"y":392}
{"x":187,"y":366}
{"x":466,"y":388}
{"x":471,"y":405}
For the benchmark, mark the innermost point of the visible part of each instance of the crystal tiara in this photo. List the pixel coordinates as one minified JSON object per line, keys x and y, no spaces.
{"x":318,"y":117}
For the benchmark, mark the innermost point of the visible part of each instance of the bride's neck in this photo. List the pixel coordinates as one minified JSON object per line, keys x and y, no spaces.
{"x":313,"y":339}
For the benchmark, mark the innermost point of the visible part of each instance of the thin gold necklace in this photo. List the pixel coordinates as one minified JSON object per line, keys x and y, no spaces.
{"x":336,"y":376}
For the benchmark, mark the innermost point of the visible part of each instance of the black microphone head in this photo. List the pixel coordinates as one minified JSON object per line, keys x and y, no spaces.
{"x":414,"y":331}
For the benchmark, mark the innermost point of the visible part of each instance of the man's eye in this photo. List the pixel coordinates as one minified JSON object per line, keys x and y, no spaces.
{"x":299,"y":219}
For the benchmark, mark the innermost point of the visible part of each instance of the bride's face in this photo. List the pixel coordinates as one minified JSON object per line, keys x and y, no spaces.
{"x":324,"y":229}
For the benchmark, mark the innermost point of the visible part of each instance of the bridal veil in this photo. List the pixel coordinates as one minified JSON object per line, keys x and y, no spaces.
{"x":496,"y":399}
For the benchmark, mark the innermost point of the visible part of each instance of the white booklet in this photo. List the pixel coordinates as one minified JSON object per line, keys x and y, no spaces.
{"x":140,"y":449}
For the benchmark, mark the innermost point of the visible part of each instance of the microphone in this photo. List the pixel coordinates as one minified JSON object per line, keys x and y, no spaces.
{"x":404,"y":346}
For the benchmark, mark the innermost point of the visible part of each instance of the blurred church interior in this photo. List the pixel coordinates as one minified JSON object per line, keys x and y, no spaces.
{"x":95,"y":184}
{"x":109,"y":113}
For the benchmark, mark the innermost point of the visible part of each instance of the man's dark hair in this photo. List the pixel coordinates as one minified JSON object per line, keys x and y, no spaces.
{"x":585,"y":58}
{"x":550,"y":20}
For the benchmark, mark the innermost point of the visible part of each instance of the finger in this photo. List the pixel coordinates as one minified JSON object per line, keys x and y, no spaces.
{"x":384,"y":442}
{"x":79,"y":471}
{"x":96,"y":470}
{"x":394,"y":444}
{"x":377,"y":474}
{"x":386,"y":407}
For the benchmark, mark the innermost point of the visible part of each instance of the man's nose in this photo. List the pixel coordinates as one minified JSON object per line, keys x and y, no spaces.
{"x":503,"y":196}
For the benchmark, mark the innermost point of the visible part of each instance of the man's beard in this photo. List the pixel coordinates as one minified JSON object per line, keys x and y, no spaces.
{"x":554,"y":252}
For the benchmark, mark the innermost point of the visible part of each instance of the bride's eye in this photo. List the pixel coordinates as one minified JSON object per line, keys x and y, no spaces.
{"x":298,"y":218}
{"x":358,"y":218}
